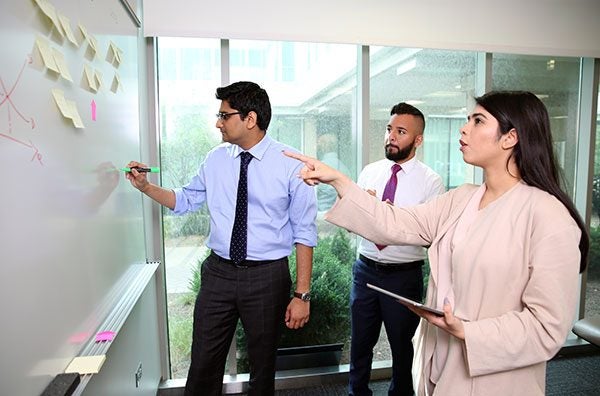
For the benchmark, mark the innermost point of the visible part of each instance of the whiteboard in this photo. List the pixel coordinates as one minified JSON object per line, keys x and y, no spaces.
{"x":71,"y":225}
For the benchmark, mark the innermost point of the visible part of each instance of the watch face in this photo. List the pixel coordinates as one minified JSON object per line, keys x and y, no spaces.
{"x":302,"y":296}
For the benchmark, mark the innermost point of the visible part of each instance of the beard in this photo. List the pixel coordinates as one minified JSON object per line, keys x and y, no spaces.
{"x":401,"y":154}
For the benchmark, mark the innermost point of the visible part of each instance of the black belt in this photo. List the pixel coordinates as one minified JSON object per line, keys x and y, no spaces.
{"x":384,"y":267}
{"x":244,"y":263}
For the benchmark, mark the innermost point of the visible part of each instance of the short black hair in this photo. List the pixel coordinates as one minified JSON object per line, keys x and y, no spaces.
{"x":405,"y":108}
{"x":246,"y":96}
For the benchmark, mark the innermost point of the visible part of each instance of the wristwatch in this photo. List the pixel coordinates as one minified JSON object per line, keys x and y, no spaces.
{"x":302,"y":296}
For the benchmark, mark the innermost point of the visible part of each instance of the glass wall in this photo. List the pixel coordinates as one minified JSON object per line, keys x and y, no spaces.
{"x":314,"y":93}
{"x":189,"y":71}
{"x":312,"y":88}
{"x":439,"y":83}
{"x":556,"y":82}
{"x":592,"y":291}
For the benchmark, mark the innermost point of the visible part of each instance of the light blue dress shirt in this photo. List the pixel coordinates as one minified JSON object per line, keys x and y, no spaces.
{"x":281,"y":208}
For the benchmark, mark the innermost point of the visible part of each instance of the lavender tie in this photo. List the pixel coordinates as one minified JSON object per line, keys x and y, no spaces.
{"x":390,"y":191}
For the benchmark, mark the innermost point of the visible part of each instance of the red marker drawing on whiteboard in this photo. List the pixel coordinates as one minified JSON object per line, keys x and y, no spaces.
{"x":93,"y":104}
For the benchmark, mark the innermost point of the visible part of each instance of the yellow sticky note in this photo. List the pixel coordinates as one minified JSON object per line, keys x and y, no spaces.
{"x":83,"y":30}
{"x":68,"y":108}
{"x":61,"y":102}
{"x":62,"y":64}
{"x":86,"y":364}
{"x":115,"y":53}
{"x":98,"y":78}
{"x":93,"y":43}
{"x":119,"y":55}
{"x":116,"y":83}
{"x":66,"y":25}
{"x":89,"y":76}
{"x":75,"y":117}
{"x":47,"y":57}
{"x":50,"y":11}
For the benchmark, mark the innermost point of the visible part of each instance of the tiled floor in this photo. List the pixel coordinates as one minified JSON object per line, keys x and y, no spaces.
{"x":567,"y":376}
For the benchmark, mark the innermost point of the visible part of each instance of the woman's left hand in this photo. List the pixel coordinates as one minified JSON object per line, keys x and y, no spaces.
{"x":448,"y":322}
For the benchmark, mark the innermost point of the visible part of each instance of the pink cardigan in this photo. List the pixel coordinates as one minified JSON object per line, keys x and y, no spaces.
{"x":515,"y":277}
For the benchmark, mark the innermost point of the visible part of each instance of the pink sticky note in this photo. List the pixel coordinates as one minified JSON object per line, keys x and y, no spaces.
{"x":105,"y":336}
{"x":93,"y":106}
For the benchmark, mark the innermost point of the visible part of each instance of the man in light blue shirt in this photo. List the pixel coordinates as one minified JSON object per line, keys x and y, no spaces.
{"x":259,"y":209}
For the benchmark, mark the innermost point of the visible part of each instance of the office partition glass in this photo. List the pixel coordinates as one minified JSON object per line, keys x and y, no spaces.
{"x":314,"y":93}
{"x":312,"y":88}
{"x":439,"y":83}
{"x":188,"y":75}
{"x":592,"y":297}
{"x":555,"y":80}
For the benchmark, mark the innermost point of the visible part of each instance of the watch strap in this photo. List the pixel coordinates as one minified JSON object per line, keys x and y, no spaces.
{"x":302,"y":296}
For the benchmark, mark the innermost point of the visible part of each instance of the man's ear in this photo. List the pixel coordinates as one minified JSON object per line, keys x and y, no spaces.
{"x":418,"y":140}
{"x":510,"y":139}
{"x":251,"y":120}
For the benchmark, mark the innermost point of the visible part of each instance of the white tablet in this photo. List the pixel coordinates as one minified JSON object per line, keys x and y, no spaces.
{"x":407,"y":301}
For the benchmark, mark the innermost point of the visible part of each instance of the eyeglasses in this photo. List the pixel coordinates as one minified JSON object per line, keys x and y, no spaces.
{"x":225,"y":116}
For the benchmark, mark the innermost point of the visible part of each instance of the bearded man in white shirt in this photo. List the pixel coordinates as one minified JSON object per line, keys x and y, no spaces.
{"x":402,"y":180}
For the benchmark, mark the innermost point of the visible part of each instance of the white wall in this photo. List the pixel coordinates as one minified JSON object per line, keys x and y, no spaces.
{"x":137,"y":342}
{"x":536,"y":27}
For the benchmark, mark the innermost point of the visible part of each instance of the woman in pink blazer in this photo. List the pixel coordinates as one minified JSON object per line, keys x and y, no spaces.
{"x":505,"y":256}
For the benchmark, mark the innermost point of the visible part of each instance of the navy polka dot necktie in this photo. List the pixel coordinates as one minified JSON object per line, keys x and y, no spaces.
{"x":239,"y":234}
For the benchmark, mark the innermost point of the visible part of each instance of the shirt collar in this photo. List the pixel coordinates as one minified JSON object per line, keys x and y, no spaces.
{"x":406,"y":166}
{"x":258,"y":150}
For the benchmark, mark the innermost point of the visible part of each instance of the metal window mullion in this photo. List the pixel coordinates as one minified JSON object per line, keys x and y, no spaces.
{"x":225,"y":78}
{"x":363,"y":85}
{"x":586,"y":148}
{"x":483,"y":84}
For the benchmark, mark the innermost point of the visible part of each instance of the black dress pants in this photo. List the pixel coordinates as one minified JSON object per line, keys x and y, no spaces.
{"x":258,"y":295}
{"x":369,"y":310}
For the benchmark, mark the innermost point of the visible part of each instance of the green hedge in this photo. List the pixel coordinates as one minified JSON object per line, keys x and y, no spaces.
{"x":330,"y":295}
{"x":594,"y":263}
{"x":330,"y":291}
{"x":197,"y":223}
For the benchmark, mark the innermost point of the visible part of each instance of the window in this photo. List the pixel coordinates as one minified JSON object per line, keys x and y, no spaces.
{"x":308,"y":103}
{"x":314,"y":105}
{"x":187,"y":107}
{"x":555,"y":81}
{"x":314,"y":95}
{"x":439,"y":83}
{"x":592,"y":298}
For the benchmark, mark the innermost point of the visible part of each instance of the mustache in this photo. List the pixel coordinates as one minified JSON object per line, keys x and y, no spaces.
{"x":391,"y":145}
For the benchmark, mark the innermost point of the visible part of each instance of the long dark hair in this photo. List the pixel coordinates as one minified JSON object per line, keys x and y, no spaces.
{"x":533,"y":154}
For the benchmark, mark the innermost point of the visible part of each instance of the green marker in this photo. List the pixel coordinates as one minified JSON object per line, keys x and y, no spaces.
{"x":154,"y":169}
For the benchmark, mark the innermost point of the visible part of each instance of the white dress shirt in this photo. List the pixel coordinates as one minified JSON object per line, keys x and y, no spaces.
{"x":417,"y":183}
